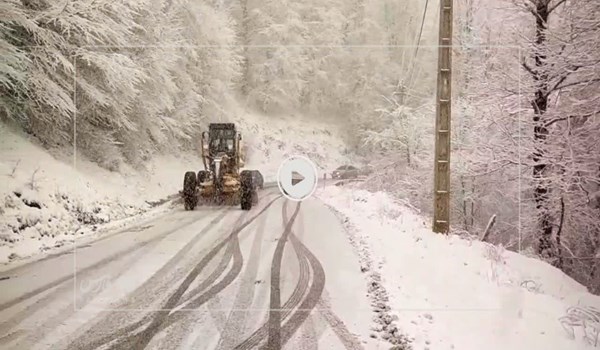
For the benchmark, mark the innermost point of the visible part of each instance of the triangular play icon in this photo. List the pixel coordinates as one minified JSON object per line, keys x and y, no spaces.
{"x":296,"y":178}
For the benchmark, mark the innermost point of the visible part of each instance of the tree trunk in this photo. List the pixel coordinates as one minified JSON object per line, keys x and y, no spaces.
{"x":540,"y":132}
{"x":488,"y":228}
{"x":245,"y":42}
{"x":465,"y":213}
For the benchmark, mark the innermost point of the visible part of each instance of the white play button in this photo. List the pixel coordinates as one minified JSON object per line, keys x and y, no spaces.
{"x":297,"y":178}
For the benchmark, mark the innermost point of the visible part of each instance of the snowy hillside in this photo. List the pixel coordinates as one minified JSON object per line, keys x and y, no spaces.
{"x":273,"y":140}
{"x":44,"y":200}
{"x":450,"y":293}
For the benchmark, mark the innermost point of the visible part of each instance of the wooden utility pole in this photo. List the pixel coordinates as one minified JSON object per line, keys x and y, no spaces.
{"x":441,"y":210}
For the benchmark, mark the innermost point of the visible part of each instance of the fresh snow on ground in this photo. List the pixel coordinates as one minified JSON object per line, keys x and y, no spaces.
{"x":45,"y":201}
{"x":450,"y":293}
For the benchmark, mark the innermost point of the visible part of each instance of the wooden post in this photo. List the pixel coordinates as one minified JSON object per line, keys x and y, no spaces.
{"x":441,"y":211}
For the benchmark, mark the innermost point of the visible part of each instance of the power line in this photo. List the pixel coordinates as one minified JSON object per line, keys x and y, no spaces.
{"x":414,"y":60}
{"x":421,"y":31}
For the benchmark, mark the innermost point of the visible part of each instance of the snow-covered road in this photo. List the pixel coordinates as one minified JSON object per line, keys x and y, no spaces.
{"x":282,"y":275}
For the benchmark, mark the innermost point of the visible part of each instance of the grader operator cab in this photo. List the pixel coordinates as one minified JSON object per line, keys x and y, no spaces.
{"x":221,"y":181}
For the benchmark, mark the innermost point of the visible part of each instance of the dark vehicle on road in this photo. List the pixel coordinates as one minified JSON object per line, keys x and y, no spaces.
{"x":346,"y":172}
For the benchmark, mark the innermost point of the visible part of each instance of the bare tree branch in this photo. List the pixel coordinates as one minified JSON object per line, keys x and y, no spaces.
{"x":556,"y":120}
{"x":552,"y":8}
{"x":595,"y":80}
{"x":527,"y":68}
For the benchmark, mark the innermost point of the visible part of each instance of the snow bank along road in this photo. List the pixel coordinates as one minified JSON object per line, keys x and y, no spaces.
{"x":281,"y":275}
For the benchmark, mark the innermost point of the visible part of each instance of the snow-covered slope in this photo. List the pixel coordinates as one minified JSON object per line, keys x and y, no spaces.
{"x":450,"y":293}
{"x":45,"y":200}
{"x":271,"y":140}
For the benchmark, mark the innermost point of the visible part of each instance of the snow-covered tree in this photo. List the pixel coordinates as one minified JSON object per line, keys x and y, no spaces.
{"x":533,"y":129}
{"x":13,"y":60}
{"x":116,"y":78}
{"x":275,"y":55}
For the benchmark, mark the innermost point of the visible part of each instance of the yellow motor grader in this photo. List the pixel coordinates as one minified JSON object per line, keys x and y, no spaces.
{"x":221,"y":182}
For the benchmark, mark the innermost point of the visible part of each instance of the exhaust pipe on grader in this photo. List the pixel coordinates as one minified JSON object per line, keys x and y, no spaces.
{"x":221,"y":182}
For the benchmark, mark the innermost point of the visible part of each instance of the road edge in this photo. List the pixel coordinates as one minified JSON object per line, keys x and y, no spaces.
{"x":384,"y":321}
{"x":103,"y":231}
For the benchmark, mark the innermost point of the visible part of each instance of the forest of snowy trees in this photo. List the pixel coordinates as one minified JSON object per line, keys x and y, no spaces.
{"x":151,"y":71}
{"x":131,"y":78}
{"x":527,"y":140}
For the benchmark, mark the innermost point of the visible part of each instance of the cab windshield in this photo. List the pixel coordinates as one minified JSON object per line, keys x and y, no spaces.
{"x":222,"y":141}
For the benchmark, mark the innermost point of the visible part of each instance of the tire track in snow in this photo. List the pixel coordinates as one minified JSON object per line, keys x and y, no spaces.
{"x":301,"y":286}
{"x":275,"y":317}
{"x":219,"y":271}
{"x":49,"y":324}
{"x":221,"y":267}
{"x":179,"y":321}
{"x":158,"y":319}
{"x":214,"y":305}
{"x":308,"y":338}
{"x":54,"y":296}
{"x":237,"y":318}
{"x":92,"y":267}
{"x":349,"y":340}
{"x":139,"y":297}
{"x":203,"y":293}
{"x":328,"y":317}
{"x":308,"y":303}
{"x":8,"y":338}
{"x":312,"y":298}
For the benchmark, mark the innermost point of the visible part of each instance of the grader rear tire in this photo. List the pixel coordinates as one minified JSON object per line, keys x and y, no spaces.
{"x":247,"y":190}
{"x":189,"y":190}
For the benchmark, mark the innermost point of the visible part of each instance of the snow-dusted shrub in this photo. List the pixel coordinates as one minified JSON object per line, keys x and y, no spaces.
{"x":531,"y":286}
{"x":495,"y":255}
{"x":585,"y":320}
